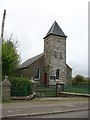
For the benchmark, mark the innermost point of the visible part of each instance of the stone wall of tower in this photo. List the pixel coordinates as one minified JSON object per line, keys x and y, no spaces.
{"x":53,"y":47}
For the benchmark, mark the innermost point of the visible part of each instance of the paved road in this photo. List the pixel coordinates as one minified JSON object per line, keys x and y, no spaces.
{"x":35,"y":109}
{"x":29,"y":108}
{"x":76,"y":114}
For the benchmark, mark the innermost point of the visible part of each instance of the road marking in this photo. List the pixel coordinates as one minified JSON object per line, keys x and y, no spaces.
{"x":17,"y":110}
{"x":69,"y":105}
{"x":10,"y":111}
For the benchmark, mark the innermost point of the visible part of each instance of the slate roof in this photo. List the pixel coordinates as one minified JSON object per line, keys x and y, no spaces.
{"x":55,"y":30}
{"x":68,"y":66}
{"x":30,"y":61}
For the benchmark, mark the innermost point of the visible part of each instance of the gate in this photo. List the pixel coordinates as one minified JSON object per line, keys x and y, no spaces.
{"x":45,"y":91}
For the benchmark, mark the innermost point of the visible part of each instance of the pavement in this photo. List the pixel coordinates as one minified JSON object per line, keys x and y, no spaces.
{"x":43,"y":106}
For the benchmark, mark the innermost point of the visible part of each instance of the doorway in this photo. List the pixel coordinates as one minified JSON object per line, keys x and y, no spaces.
{"x":45,"y":79}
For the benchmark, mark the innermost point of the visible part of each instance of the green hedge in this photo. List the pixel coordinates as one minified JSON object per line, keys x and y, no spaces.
{"x":20,"y":86}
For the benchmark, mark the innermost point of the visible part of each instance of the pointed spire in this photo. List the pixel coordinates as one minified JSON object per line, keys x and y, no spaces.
{"x":55,"y":30}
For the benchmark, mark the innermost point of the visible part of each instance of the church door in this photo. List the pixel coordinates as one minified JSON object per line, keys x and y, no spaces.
{"x":45,"y":79}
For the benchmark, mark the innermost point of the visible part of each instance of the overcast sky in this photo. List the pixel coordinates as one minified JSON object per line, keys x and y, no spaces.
{"x":30,"y":20}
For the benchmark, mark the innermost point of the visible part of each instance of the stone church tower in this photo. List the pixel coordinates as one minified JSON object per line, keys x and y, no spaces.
{"x":55,"y":53}
{"x":50,"y":66}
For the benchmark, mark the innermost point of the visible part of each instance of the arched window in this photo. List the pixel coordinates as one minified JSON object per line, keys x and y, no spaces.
{"x":61,"y":55}
{"x":47,"y":52}
{"x":57,"y":73}
{"x":55,"y":53}
{"x":37,"y":74}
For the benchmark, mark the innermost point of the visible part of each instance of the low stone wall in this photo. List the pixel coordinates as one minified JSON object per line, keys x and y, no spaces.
{"x":68,"y":94}
{"x":32,"y":96}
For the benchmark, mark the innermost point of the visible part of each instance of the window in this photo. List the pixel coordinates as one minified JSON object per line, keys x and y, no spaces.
{"x":47,"y":52}
{"x":55,"y":53}
{"x":59,"y":40}
{"x":52,"y":77}
{"x":61,"y":55}
{"x":57,"y":73}
{"x":37,"y":74}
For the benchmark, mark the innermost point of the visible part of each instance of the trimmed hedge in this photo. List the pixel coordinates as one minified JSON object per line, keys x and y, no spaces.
{"x":20,"y":86}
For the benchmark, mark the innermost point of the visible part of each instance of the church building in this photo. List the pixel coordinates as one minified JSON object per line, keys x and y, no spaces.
{"x":50,"y":67}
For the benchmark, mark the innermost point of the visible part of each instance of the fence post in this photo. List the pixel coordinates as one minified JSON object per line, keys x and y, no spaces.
{"x":33,"y":85}
{"x":59,"y":88}
{"x":6,"y":89}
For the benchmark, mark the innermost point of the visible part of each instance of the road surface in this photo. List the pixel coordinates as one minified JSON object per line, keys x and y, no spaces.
{"x":43,"y":106}
{"x":76,"y":114}
{"x":28,"y":109}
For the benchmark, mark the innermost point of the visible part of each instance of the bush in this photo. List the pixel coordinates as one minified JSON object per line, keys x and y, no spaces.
{"x":20,"y":86}
{"x":77,"y":79}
